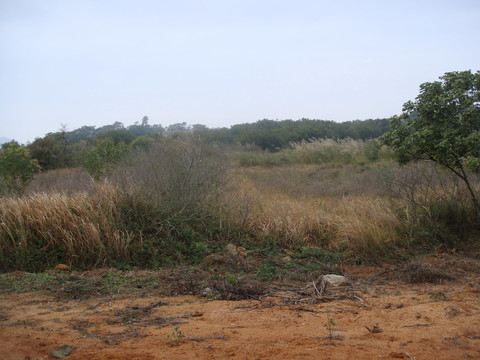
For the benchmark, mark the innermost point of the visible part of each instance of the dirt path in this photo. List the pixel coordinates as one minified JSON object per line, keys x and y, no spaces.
{"x":421,"y":321}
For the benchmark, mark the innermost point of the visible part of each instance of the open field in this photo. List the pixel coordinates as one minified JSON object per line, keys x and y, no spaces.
{"x":428,"y":310}
{"x":149,"y":275}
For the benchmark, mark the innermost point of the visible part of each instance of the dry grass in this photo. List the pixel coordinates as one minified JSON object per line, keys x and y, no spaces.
{"x":358,"y":226}
{"x":168,"y":204}
{"x":68,"y":181}
{"x":365,"y":212}
{"x":82,"y":227}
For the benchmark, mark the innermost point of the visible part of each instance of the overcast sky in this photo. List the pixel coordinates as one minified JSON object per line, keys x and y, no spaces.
{"x":222,"y":62}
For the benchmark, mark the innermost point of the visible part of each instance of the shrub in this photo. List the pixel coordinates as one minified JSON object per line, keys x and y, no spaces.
{"x":17,"y":168}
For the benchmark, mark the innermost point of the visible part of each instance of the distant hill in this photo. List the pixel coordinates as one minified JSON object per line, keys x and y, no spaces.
{"x":4,"y":140}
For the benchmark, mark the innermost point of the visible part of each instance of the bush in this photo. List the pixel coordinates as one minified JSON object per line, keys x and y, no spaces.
{"x":17,"y":168}
{"x":101,"y":160}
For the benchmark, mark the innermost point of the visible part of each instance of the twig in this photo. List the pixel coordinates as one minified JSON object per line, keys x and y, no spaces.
{"x":410,"y":356}
{"x":315,"y":286}
{"x":417,"y":325}
{"x":94,"y":306}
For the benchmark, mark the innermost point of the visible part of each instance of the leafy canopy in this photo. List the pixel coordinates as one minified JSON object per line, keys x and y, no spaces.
{"x":442,"y":124}
{"x":17,"y":168}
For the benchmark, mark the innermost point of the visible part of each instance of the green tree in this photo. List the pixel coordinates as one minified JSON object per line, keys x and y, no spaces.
{"x":44,"y":150}
{"x":17,"y":168}
{"x":100,"y":160}
{"x":442,"y":125}
{"x":142,"y":142}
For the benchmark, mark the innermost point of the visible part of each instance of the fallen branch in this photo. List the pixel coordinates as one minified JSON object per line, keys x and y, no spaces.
{"x":417,"y":325}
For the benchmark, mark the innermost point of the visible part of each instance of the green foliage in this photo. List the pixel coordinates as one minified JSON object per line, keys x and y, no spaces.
{"x":274,"y":135}
{"x":17,"y":168}
{"x":267,"y":271}
{"x":101,"y":160}
{"x":329,"y":325}
{"x":112,"y":280}
{"x":231,"y":279}
{"x":440,"y":296}
{"x":317,"y":151}
{"x":44,"y":150}
{"x":142,"y":142}
{"x":117,"y":136}
{"x":177,"y":337}
{"x":322,"y":255}
{"x":442,"y":125}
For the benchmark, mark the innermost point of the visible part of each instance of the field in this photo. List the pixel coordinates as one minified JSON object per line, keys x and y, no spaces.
{"x":150,"y":271}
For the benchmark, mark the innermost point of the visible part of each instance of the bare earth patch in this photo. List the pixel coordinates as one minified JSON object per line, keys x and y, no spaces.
{"x":382,"y":313}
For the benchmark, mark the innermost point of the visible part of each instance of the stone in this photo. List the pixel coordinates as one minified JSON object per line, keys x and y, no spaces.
{"x":62,"y":267}
{"x":334,"y":280}
{"x":62,"y":352}
{"x":214,"y":259}
{"x":231,"y":250}
{"x":376,"y":329}
{"x":207,"y":292}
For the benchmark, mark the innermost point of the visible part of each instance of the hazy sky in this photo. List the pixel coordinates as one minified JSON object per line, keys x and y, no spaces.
{"x":222,"y":62}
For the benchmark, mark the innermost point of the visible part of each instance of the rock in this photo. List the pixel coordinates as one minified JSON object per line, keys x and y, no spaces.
{"x":207,"y":292}
{"x":214,"y":259}
{"x":286,"y":259}
{"x":197,"y":314}
{"x":62,"y":267}
{"x":231,"y":250}
{"x":62,"y":352}
{"x":375,"y":330}
{"x":334,"y":280}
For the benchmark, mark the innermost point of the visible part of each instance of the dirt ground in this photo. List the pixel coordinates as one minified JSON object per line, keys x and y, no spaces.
{"x":410,"y":313}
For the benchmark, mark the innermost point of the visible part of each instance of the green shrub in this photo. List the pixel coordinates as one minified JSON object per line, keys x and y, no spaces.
{"x":17,"y":168}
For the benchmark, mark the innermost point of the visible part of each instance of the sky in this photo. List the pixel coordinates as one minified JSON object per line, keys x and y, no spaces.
{"x":222,"y":62}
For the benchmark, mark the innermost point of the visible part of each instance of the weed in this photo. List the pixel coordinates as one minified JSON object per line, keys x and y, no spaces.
{"x":440,"y":296}
{"x":231,"y":279}
{"x":177,"y":337}
{"x":267,"y":271}
{"x":329,"y":325}
{"x":113,"y":280}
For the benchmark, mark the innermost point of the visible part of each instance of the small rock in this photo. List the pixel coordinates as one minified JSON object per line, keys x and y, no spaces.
{"x":375,"y":330}
{"x":286,"y":259}
{"x":231,"y":250}
{"x":334,"y":280}
{"x":62,"y":267}
{"x":214,"y":259}
{"x":62,"y":352}
{"x":207,"y":291}
{"x":197,"y":313}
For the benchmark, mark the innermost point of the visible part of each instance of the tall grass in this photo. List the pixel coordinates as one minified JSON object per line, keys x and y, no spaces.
{"x":40,"y":230}
{"x":318,"y":151}
{"x":361,"y":227}
{"x":366,"y":213}
{"x":159,"y":207}
{"x":179,"y":201}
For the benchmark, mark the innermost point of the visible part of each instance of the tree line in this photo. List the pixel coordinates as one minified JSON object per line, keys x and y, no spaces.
{"x":67,"y":148}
